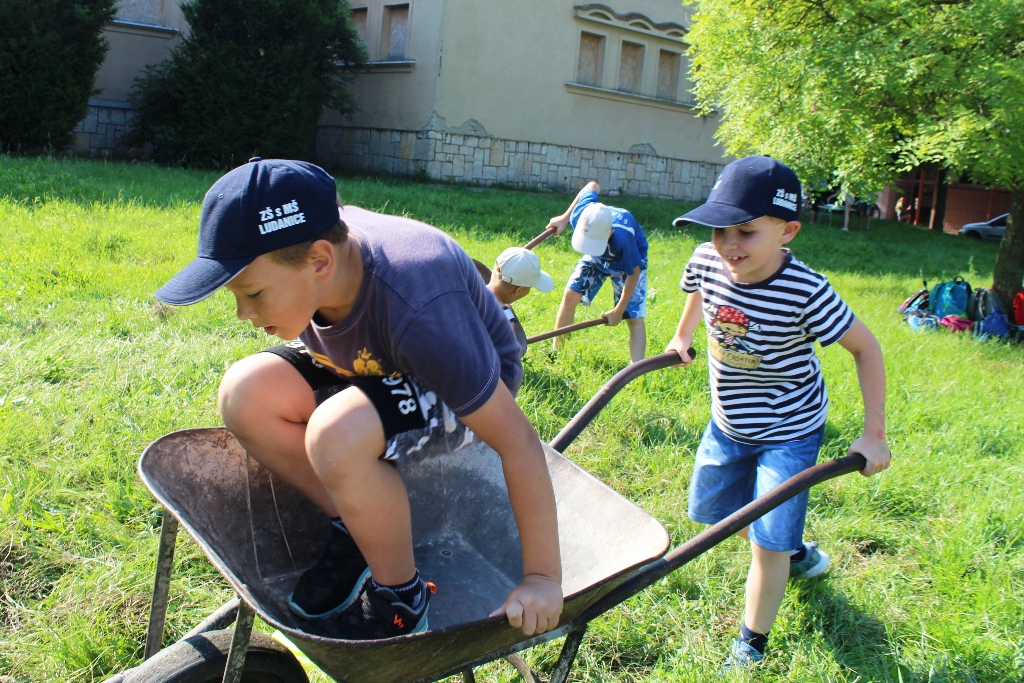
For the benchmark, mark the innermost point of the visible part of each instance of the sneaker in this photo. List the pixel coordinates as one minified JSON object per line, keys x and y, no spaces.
{"x":335,"y":582}
{"x":814,"y":563}
{"x":742,"y":657}
{"x":383,"y":615}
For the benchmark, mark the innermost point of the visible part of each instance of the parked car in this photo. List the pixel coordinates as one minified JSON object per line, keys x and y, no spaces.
{"x":989,"y":230}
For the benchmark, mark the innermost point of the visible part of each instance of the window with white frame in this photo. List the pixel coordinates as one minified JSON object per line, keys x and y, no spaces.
{"x":590,"y":66}
{"x":395,"y":34}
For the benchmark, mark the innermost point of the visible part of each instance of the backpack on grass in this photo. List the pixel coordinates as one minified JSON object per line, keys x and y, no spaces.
{"x":984,"y":302}
{"x":956,"y":323}
{"x":994,"y":324}
{"x":916,"y":301}
{"x":1018,"y":309}
{"x":950,"y":298}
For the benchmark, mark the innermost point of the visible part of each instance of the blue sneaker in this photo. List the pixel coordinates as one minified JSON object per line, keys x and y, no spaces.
{"x":743,"y":657}
{"x":335,"y":582}
{"x":814,"y":563}
{"x":382,"y":615}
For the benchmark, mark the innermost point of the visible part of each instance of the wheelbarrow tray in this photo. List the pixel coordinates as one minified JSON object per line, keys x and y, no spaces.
{"x":261,"y":534}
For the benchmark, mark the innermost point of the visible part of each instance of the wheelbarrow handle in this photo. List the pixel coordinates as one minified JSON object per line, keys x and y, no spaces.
{"x":548,"y":232}
{"x":717,"y":533}
{"x":567,"y":329}
{"x":605,"y":394}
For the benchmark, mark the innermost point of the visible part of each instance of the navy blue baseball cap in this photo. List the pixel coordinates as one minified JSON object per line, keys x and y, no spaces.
{"x":263,"y":206}
{"x":747,"y":189}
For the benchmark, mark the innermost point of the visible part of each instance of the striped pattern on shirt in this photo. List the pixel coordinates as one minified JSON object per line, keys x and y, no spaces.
{"x":766,"y":383}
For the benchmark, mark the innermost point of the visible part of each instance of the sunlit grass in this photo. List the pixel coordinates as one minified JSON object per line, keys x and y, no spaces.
{"x":928,"y":558}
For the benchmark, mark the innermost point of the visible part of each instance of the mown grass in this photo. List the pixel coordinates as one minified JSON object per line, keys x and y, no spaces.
{"x":928,"y":557}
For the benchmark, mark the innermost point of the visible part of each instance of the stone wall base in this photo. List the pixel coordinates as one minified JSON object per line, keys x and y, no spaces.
{"x":99,"y":133}
{"x":485,"y":160}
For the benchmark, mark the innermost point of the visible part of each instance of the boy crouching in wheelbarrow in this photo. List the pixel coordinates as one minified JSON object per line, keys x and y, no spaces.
{"x":764,"y":310}
{"x":402,"y":350}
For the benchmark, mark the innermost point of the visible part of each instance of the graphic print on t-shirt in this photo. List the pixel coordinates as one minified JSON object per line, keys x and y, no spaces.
{"x":364,"y":364}
{"x":726,"y":341}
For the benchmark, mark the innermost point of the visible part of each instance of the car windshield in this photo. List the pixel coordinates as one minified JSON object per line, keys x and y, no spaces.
{"x":999,"y":221}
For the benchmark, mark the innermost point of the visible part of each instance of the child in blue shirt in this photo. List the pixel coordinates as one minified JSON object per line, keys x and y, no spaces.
{"x":613,"y":245}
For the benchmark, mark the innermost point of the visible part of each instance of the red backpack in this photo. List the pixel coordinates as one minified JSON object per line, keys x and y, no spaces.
{"x":1018,"y":309}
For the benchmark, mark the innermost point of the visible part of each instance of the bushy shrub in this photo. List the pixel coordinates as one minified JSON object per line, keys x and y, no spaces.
{"x":50,"y":51}
{"x":251,"y":78}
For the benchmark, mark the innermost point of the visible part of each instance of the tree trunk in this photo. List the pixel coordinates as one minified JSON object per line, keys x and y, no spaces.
{"x":939,"y":210}
{"x":1009,"y":272}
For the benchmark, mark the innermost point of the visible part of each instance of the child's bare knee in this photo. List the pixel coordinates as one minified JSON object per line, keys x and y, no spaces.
{"x":257,"y":388}
{"x":344,"y":432}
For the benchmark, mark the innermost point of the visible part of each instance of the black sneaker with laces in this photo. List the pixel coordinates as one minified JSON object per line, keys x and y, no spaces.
{"x":335,"y":582}
{"x":382,"y":615}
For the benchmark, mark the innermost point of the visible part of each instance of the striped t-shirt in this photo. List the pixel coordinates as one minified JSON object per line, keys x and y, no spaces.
{"x":766,"y":384}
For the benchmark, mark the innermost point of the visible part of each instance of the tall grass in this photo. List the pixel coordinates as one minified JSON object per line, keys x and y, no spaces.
{"x":928,"y":558}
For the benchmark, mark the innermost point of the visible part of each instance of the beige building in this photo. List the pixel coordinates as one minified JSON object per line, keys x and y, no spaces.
{"x":527,"y":93}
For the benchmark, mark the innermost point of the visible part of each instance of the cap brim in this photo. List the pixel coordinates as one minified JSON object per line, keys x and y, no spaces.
{"x":200,"y":279}
{"x":544,"y":283}
{"x":715,"y":215}
{"x":585,"y":245}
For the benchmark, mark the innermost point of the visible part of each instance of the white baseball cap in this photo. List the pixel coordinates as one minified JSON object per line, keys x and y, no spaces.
{"x":521,"y":267}
{"x":593,"y":228}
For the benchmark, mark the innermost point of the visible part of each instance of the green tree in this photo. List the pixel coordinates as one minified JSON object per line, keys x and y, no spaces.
{"x":250,"y":78}
{"x":50,"y":51}
{"x":853,"y":92}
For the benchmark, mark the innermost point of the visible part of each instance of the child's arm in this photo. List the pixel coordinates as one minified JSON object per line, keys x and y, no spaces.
{"x":535,"y":604}
{"x":614,"y":316}
{"x":559,"y":222}
{"x":692,"y":315}
{"x":867,"y":354}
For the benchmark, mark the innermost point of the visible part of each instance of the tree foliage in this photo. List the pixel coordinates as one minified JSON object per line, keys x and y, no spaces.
{"x":50,"y":51}
{"x":250,"y":78}
{"x":853,"y":92}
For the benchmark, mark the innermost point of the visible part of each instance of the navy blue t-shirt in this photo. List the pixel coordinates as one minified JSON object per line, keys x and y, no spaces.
{"x":422,"y":310}
{"x":627,"y":246}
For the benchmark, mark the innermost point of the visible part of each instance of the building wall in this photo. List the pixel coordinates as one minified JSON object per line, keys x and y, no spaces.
{"x":395,"y":93}
{"x":144,"y":33}
{"x":498,"y":92}
{"x":485,"y":160}
{"x":513,"y":68}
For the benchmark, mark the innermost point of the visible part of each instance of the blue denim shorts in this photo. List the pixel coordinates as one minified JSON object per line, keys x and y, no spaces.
{"x":728,"y":474}
{"x":590,"y":274}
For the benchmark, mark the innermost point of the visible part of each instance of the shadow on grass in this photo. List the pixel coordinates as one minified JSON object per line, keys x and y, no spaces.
{"x":859,"y":641}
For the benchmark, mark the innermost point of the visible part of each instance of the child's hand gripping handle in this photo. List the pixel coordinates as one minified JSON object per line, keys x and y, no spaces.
{"x":548,"y":232}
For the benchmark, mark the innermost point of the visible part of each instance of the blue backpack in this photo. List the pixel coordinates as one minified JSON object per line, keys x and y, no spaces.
{"x":994,"y":324}
{"x":950,"y":298}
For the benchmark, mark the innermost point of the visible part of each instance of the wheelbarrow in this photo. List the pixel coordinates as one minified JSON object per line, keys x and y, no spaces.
{"x":261,"y":534}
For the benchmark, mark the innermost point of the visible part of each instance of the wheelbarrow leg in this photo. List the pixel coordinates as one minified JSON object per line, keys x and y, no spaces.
{"x":468,"y":676}
{"x":569,"y":649}
{"x":523,"y":668}
{"x":162,"y":584}
{"x":239,"y":643}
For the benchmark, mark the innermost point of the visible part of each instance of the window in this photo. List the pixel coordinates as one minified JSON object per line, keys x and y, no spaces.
{"x":359,"y":22}
{"x":590,"y":68}
{"x":668,"y":75}
{"x":395,"y":36}
{"x":142,"y":11}
{"x":631,"y":67}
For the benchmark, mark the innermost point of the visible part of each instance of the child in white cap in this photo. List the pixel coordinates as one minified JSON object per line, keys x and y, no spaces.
{"x":613,"y":245}
{"x":516,"y":272}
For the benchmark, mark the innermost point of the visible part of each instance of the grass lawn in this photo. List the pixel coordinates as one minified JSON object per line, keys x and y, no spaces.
{"x":928,"y":558}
